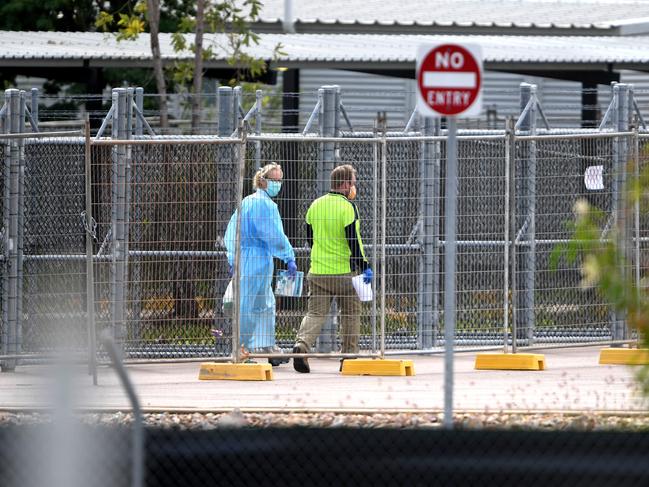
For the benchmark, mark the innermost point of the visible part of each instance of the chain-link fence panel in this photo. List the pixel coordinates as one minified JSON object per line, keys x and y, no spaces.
{"x":480,"y":235}
{"x":299,"y":161}
{"x":566,"y":171}
{"x":179,"y":198}
{"x":99,"y":455}
{"x":159,"y":283}
{"x":54,"y":282}
{"x":3,"y":229}
{"x":641,"y":215}
{"x":63,"y":452}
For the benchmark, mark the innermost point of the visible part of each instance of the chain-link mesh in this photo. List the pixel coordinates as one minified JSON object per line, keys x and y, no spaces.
{"x":181,"y":198}
{"x":323,"y":456}
{"x":54,"y":291}
{"x":3,"y":230}
{"x":641,"y":216}
{"x":299,"y":161}
{"x":563,"y":311}
{"x":480,"y":234}
{"x":159,"y":284}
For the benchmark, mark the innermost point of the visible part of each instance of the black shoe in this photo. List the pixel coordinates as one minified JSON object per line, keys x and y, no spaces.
{"x":301,"y":364}
{"x":275,"y":362}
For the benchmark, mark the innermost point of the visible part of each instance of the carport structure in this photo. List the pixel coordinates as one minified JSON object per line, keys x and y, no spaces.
{"x":81,"y":57}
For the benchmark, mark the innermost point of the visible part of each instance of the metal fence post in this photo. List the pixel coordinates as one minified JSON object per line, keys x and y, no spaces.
{"x":118,"y":212}
{"x":527,"y":210}
{"x":429,"y":266}
{"x":237,"y":116}
{"x":509,"y":236}
{"x":226,"y":119}
{"x":11,"y":222}
{"x":139,"y":103}
{"x":329,"y":114}
{"x":236,"y":276}
{"x":90,"y":275}
{"x":33,"y":107}
{"x":259,"y":96}
{"x":20,"y":143}
{"x":128,"y":184}
{"x":6,"y":185}
{"x":621,"y":93}
{"x":135,"y":176}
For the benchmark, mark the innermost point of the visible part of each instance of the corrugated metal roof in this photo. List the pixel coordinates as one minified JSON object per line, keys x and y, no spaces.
{"x":343,"y":51}
{"x":567,"y":14}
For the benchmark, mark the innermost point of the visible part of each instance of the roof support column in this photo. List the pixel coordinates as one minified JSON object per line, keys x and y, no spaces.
{"x":589,"y":107}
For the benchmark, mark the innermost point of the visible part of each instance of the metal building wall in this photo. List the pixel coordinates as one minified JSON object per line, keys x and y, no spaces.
{"x":365,"y":94}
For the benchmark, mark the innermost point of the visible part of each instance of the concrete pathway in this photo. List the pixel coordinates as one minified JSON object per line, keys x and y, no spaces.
{"x":572,"y":381}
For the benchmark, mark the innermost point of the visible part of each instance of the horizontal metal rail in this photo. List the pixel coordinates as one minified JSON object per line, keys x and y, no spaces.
{"x":600,"y":135}
{"x":160,"y":141}
{"x":299,"y":250}
{"x":40,"y":135}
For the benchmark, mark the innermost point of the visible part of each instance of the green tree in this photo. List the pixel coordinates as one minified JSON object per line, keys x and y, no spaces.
{"x":229,"y":17}
{"x":49,"y":15}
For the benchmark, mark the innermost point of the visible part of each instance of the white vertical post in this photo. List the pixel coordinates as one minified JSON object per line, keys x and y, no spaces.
{"x":450,"y":247}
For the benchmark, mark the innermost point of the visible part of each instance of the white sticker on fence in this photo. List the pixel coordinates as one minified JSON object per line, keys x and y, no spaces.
{"x":594,"y":178}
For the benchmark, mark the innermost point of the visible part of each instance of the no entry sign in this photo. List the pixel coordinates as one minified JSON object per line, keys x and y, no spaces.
{"x":449,"y":80}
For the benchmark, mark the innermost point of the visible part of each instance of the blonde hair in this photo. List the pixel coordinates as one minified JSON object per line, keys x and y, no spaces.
{"x":342,"y":174}
{"x":262,"y":173}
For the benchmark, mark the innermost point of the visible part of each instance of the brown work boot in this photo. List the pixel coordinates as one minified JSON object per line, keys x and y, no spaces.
{"x":301,"y":364}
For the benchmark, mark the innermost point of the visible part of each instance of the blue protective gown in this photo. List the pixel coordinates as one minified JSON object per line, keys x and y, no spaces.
{"x":262,"y":238}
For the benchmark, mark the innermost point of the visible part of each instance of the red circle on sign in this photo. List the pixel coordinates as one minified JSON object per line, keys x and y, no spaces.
{"x":449,"y":79}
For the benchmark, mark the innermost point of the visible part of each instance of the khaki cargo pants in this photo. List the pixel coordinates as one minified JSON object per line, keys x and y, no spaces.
{"x":322,"y":290}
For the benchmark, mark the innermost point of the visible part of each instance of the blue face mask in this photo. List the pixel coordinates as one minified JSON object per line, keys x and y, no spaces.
{"x":273,"y":188}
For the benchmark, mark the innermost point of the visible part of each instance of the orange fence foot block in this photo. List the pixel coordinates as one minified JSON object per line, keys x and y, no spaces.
{"x":361,"y":366}
{"x":230,"y":371}
{"x":624,"y":356}
{"x":510,"y":361}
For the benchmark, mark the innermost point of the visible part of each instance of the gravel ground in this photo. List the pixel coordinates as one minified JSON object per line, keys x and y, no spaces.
{"x":207,"y":421}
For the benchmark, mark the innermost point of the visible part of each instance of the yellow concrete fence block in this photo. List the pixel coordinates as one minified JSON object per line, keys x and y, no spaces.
{"x":510,"y":361}
{"x":624,"y":356}
{"x":361,"y":366}
{"x":230,"y":371}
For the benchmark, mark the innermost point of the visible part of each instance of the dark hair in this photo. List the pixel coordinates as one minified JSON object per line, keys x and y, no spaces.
{"x":342,"y":174}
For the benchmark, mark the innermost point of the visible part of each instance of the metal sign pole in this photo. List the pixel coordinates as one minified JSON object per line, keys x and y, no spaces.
{"x":449,"y":268}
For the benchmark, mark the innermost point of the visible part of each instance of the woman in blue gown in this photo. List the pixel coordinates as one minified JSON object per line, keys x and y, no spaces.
{"x":262,"y":238}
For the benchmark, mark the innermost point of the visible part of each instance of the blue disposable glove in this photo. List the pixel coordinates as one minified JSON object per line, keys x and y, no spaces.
{"x":367,"y":275}
{"x":230,"y":271}
{"x":292,"y":269}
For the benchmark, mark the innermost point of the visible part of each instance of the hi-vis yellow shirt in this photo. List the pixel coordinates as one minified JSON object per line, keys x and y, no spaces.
{"x":334,"y":233}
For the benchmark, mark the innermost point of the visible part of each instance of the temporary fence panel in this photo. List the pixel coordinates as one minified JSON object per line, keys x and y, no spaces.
{"x":480,"y":234}
{"x":4,"y":168}
{"x":641,"y":217}
{"x":54,"y":282}
{"x":306,"y":163}
{"x":553,"y":307}
{"x":299,"y":161}
{"x":180,"y":198}
{"x":162,"y":206}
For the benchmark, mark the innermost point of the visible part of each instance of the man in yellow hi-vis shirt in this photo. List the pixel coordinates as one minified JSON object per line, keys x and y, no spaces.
{"x":333,"y":229}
